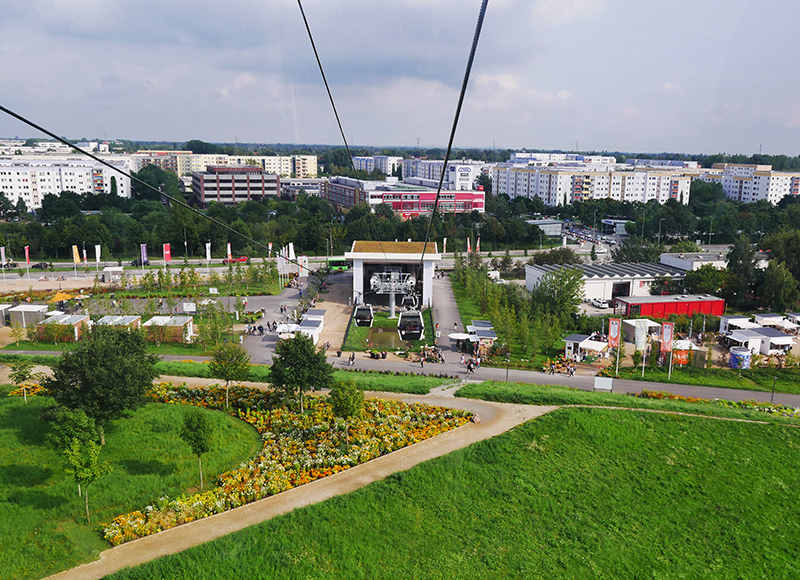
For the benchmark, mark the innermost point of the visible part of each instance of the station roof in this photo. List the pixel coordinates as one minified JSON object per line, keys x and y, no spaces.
{"x":392,"y":247}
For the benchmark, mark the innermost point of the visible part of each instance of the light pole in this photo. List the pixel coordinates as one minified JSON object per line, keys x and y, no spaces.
{"x":540,"y":241}
{"x":710,"y":231}
{"x":659,"y":229}
{"x":594,"y":222}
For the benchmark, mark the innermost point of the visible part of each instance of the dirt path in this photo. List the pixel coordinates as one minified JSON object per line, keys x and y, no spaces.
{"x":496,"y":418}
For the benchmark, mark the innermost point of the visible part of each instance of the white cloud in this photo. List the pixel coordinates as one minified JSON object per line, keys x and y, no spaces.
{"x":670,"y":87}
{"x":555,"y":12}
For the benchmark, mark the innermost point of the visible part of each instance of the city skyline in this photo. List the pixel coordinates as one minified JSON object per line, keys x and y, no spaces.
{"x":592,"y":75}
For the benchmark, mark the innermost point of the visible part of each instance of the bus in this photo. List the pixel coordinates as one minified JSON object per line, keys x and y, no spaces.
{"x":338,"y":265}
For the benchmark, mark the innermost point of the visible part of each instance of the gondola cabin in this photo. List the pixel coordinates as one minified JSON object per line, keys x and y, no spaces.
{"x":410,"y":325}
{"x":363,"y":315}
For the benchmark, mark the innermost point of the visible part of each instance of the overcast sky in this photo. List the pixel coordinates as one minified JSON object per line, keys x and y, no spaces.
{"x":693,"y":76}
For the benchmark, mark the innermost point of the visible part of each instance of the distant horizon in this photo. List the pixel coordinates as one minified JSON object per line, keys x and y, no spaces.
{"x":406,"y":147}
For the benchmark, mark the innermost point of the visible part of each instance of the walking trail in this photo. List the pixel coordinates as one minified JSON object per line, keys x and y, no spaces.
{"x":495,"y":418}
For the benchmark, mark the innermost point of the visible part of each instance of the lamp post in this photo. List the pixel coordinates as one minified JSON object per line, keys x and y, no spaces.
{"x":659,"y":229}
{"x":594,"y":223}
{"x":711,"y":231}
{"x":644,"y":211}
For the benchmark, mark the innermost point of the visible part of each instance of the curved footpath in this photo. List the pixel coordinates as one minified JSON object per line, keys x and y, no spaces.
{"x":496,"y":418}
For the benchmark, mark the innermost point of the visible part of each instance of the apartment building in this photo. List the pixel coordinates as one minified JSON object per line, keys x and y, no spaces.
{"x":230,"y":184}
{"x":31,"y":179}
{"x":749,"y":183}
{"x":565,"y":185}
{"x":385,"y":163}
{"x":461,"y":175}
{"x":184,"y":163}
{"x":405,"y":200}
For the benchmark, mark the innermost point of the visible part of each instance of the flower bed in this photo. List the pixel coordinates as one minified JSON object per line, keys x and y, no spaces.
{"x":31,"y":391}
{"x":298,"y":448}
{"x":768,"y":408}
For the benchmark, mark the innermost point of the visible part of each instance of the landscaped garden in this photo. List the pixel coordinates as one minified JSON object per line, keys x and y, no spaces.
{"x":43,"y":527}
{"x":153,"y":485}
{"x":358,"y":337}
{"x":578,"y":493}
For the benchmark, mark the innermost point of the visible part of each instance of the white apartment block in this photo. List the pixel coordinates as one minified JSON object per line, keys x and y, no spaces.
{"x":558,"y":158}
{"x":749,"y":183}
{"x":184,"y":163}
{"x":565,"y":185}
{"x":385,"y":163}
{"x":461,"y":175}
{"x":31,"y":179}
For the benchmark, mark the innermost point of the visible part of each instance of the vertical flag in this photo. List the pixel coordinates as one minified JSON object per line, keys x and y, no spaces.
{"x":76,"y":257}
{"x":85,"y":260}
{"x":97,"y":254}
{"x":469,"y":246}
{"x":444,"y":246}
{"x":2,"y":255}
{"x":167,"y":253}
{"x":208,"y":251}
{"x":230,"y":256}
{"x":478,"y":246}
{"x":614,"y":327}
{"x":28,"y":255}
{"x":144,"y":253}
{"x":667,"y":332}
{"x":270,"y":251}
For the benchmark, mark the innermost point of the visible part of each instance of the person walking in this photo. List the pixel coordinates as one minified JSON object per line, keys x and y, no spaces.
{"x":455,"y":326}
{"x":462,"y":358}
{"x":422,"y":362}
{"x":552,"y":368}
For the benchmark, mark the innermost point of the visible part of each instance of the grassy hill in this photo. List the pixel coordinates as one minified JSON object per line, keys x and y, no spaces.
{"x":579,"y":493}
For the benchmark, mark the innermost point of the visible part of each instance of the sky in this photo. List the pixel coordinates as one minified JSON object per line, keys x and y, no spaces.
{"x":685,"y":76}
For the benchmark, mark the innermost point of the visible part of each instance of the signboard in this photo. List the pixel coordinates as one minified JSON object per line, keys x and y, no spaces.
{"x":614,"y":329}
{"x":144,"y":254}
{"x":76,"y":257}
{"x":230,"y":256}
{"x":213,"y":291}
{"x":667,"y":333}
{"x":190,"y":307}
{"x":28,"y":255}
{"x":208,"y":251}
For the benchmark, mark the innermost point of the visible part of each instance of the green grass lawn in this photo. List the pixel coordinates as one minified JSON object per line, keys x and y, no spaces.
{"x":43,"y":526}
{"x":786,"y":380}
{"x":527,"y":394}
{"x":172,"y":348}
{"x":356,"y":339}
{"x":578,"y":493}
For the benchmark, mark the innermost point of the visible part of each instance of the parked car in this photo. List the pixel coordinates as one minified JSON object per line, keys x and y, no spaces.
{"x":234,"y":260}
{"x":599,"y":302}
{"x":40,"y":266}
{"x":9,"y":264}
{"x":138,"y":262}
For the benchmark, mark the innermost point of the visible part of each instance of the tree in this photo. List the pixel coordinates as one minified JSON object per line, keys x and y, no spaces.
{"x":593,"y":253}
{"x":298,"y":367}
{"x":106,"y":375}
{"x":636,"y":249}
{"x":196,"y":432}
{"x":706,"y":280}
{"x":685,"y":246}
{"x":83,"y":463}
{"x":229,"y":362}
{"x":559,"y":291}
{"x":347,"y":401}
{"x":21,"y":373}
{"x":780,"y":291}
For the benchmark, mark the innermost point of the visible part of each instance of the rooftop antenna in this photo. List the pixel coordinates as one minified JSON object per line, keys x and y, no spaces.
{"x":417,"y":142}
{"x":576,"y":145}
{"x":759,"y":148}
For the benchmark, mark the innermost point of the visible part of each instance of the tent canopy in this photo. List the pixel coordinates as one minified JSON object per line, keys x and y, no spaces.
{"x":60,"y":297}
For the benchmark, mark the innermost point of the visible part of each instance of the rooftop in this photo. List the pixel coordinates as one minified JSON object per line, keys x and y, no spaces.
{"x":392,"y":247}
{"x":669,"y":298}
{"x":628,"y":270}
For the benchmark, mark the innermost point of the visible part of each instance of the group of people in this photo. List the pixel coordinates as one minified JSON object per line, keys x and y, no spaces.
{"x":570,"y":369}
{"x":259,"y":330}
{"x":351,"y":360}
{"x":472,"y":363}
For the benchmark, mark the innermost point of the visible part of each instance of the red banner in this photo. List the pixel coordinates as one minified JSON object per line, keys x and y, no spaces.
{"x":614,"y":330}
{"x":28,"y":255}
{"x":167,"y":253}
{"x":667,"y":333}
{"x":230,"y":256}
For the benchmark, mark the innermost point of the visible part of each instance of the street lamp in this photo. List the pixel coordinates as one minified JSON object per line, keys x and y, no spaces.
{"x":659,"y":229}
{"x":594,"y":222}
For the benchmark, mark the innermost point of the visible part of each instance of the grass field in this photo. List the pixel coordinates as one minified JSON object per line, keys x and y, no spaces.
{"x":527,"y":394}
{"x":356,"y":339}
{"x":578,"y":493}
{"x":43,"y":526}
{"x":178,"y":349}
{"x":786,"y":380}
